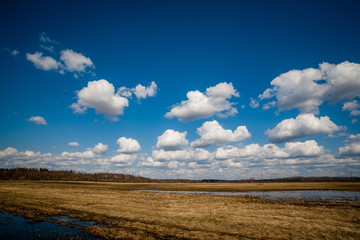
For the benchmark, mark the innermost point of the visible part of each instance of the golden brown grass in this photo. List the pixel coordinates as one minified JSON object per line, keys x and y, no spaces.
{"x":140,"y":215}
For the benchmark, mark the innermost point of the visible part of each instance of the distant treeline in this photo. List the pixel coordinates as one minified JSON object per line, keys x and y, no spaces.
{"x":292,"y":179}
{"x":69,"y":175}
{"x":64,"y":175}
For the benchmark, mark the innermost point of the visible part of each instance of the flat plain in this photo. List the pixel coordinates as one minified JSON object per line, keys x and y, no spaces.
{"x":126,"y":214}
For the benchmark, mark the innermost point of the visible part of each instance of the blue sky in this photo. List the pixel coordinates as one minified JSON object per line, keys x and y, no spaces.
{"x":195,"y":89}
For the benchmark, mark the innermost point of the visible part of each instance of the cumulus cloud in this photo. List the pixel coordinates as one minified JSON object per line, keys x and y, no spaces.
{"x":254,"y":152}
{"x":187,"y":154}
{"x":74,"y":144}
{"x":90,"y":153}
{"x":38,"y":120}
{"x":141,"y":91}
{"x":211,"y":133}
{"x":352,"y":149}
{"x":353,"y":107}
{"x":150,"y":162}
{"x":73,"y":155}
{"x":128,"y":145}
{"x":123,"y":160}
{"x":45,"y":63}
{"x":308,"y":148}
{"x":304,"y":125}
{"x":8,"y":152}
{"x":99,"y":148}
{"x":101,"y":96}
{"x":172,"y":140}
{"x":307,"y":89}
{"x":203,"y":105}
{"x":75,"y":62}
{"x":343,"y":79}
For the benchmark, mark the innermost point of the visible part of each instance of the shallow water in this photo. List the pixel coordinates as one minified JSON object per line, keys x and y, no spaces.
{"x":16,"y":227}
{"x":351,"y":197}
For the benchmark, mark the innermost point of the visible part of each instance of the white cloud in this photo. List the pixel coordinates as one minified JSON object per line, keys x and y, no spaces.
{"x":353,"y":107}
{"x":75,"y":62}
{"x":123,"y":160}
{"x":125,"y":92}
{"x":308,"y":148}
{"x":75,"y":155}
{"x":48,"y":48}
{"x":8,"y":152}
{"x":14,"y":52}
{"x":188,"y":154}
{"x":150,"y":162}
{"x":211,"y":133}
{"x":143,"y":92}
{"x":101,"y":96}
{"x":304,"y":125}
{"x":172,"y":140}
{"x":74,"y":144}
{"x":353,"y":138}
{"x":298,"y":89}
{"x":99,"y":148}
{"x":343,"y":79}
{"x":308,"y":89}
{"x":45,"y":39}
{"x":90,"y":153}
{"x":38,"y":120}
{"x":255,"y":152}
{"x":352,"y":149}
{"x":269,"y":105}
{"x":254,"y":103}
{"x":128,"y":145}
{"x":45,"y":63}
{"x":200,"y":105}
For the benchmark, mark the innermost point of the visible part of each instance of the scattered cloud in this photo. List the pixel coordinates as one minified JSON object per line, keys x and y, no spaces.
{"x":353,"y":138}
{"x":99,"y":148}
{"x":256,"y":152}
{"x":304,"y":125}
{"x":101,"y":96}
{"x":353,"y":107}
{"x":211,"y":133}
{"x":204,"y":105}
{"x":74,"y":144}
{"x":46,"y":63}
{"x":187,"y":154}
{"x":172,"y":140}
{"x":45,"y":39}
{"x":352,"y":149}
{"x":123,"y":160}
{"x":75,"y":62}
{"x":38,"y":120}
{"x":307,"y":89}
{"x":128,"y":145}
{"x":143,"y":92}
{"x":48,"y":48}
{"x":254,"y":103}
{"x":14,"y":52}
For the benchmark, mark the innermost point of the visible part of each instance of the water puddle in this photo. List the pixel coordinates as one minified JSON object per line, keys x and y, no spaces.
{"x":16,"y":227}
{"x":351,"y":197}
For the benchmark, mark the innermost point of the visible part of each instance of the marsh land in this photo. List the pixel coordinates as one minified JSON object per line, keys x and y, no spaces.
{"x":121,"y":213}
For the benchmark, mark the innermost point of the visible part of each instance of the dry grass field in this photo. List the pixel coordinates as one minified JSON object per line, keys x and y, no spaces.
{"x":141,"y":215}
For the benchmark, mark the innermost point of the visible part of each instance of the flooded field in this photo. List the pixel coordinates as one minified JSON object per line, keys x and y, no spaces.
{"x":116,"y":211}
{"x":351,"y":197}
{"x":16,"y":227}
